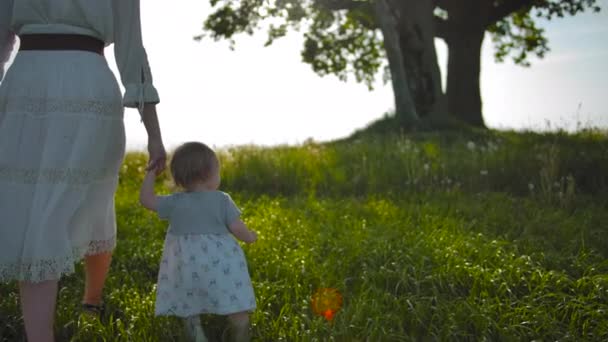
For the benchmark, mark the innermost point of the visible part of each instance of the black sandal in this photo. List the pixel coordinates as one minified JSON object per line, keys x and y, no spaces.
{"x":95,"y":310}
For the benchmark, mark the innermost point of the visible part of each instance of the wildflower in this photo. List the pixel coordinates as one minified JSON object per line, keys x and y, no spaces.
{"x":484,"y":172}
{"x":531,"y":186}
{"x":426,"y":167}
{"x":471,"y":145}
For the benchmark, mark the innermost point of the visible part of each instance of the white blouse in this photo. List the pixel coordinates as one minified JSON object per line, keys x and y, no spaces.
{"x":112,"y":21}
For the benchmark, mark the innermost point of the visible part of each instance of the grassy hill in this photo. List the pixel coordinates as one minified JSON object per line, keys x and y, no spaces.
{"x":427,"y":236}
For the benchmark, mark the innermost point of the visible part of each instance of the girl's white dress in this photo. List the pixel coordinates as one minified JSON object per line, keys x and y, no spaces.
{"x":203,"y":268}
{"x":62,"y":137}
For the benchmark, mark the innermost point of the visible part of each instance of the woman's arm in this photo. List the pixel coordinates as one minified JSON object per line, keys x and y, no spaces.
{"x":131,"y":57}
{"x":147,"y":197}
{"x":156,"y":149}
{"x":136,"y":76}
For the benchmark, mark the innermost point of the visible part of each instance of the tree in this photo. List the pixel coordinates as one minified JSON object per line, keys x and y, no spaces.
{"x":407,"y":28}
{"x":463,"y":23}
{"x":405,"y":106}
{"x":342,"y":39}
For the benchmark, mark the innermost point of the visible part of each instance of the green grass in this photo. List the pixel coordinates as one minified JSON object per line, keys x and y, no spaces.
{"x":429,"y":237}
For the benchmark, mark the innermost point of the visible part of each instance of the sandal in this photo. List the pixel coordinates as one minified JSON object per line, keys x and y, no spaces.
{"x":94,"y":310}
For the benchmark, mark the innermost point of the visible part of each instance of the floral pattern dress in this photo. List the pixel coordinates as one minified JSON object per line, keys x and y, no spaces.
{"x":203,"y":273}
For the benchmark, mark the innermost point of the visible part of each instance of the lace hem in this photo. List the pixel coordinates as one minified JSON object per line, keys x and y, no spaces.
{"x":53,"y":269}
{"x":54,"y":175}
{"x":42,"y":106}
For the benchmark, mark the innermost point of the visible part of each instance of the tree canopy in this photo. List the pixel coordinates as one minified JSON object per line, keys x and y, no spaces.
{"x":343,"y":37}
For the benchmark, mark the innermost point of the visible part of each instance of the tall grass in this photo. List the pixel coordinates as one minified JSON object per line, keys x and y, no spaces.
{"x":495,"y":237}
{"x":554,"y":166}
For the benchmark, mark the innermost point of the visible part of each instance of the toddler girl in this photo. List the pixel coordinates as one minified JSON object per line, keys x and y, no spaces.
{"x":203,"y":269}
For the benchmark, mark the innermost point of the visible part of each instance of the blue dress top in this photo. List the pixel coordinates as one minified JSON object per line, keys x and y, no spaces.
{"x":203,"y":212}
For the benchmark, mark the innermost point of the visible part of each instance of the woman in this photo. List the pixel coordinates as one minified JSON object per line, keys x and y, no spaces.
{"x":62,"y":142}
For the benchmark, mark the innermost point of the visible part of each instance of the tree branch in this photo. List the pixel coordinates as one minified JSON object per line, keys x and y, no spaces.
{"x":336,"y":5}
{"x":441,"y":27}
{"x":441,"y":4}
{"x":505,"y":8}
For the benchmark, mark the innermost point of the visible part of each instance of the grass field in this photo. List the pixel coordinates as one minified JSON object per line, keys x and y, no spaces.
{"x":493,"y":236}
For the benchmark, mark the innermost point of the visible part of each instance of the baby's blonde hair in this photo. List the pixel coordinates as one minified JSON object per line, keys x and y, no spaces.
{"x":192,"y":162}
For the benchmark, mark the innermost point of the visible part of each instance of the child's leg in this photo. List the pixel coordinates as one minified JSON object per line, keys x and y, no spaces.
{"x":194,"y":329}
{"x":239,"y":327}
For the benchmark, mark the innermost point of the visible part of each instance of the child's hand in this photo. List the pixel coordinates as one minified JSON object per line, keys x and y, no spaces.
{"x":254,"y":236}
{"x":154,"y":170}
{"x":241,"y":232}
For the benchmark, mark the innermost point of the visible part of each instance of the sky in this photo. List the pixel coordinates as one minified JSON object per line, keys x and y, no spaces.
{"x":266,"y":96}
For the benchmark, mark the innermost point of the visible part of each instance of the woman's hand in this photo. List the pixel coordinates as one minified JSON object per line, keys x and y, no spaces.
{"x":156,"y":149}
{"x":157,"y":155}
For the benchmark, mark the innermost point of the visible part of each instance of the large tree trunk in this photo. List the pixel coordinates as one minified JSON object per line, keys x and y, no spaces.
{"x":405,"y":108}
{"x":417,"y":38}
{"x":464,"y":69}
{"x":463,"y":34}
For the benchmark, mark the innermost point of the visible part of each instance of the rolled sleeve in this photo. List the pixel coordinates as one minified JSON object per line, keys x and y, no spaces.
{"x":131,"y":57}
{"x":139,"y":93}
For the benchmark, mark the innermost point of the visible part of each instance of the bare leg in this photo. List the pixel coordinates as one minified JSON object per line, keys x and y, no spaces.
{"x":38,"y":301}
{"x":239,"y":327}
{"x":194,"y":329}
{"x":96,"y":271}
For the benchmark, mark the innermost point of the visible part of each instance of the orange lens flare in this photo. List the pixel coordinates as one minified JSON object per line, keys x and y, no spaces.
{"x":329,"y":315}
{"x":326,"y":302}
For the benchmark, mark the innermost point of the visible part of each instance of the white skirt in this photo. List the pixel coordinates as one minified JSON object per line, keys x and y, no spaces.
{"x":203,"y":274}
{"x":62,"y":142}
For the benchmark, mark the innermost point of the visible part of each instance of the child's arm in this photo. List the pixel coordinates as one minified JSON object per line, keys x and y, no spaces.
{"x":241,"y":232}
{"x":147,"y":197}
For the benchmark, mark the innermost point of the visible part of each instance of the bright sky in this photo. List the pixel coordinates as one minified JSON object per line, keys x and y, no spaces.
{"x":267,"y":96}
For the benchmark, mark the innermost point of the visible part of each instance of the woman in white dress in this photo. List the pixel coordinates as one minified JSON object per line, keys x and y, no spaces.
{"x":62,"y":141}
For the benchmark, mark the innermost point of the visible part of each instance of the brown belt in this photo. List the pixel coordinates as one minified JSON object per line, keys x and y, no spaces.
{"x":56,"y":42}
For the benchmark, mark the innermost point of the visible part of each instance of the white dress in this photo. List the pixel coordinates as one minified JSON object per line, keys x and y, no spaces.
{"x":203,"y":268}
{"x":203,"y":274}
{"x":62,"y":136}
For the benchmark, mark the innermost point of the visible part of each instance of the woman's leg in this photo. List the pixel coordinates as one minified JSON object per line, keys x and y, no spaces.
{"x":239,"y":327}
{"x":96,"y":271}
{"x":38,"y":301}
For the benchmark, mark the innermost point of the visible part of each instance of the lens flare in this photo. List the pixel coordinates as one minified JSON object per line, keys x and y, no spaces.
{"x":326,"y":302}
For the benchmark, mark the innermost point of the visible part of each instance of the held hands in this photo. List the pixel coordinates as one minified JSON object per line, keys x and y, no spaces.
{"x":157,"y":154}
